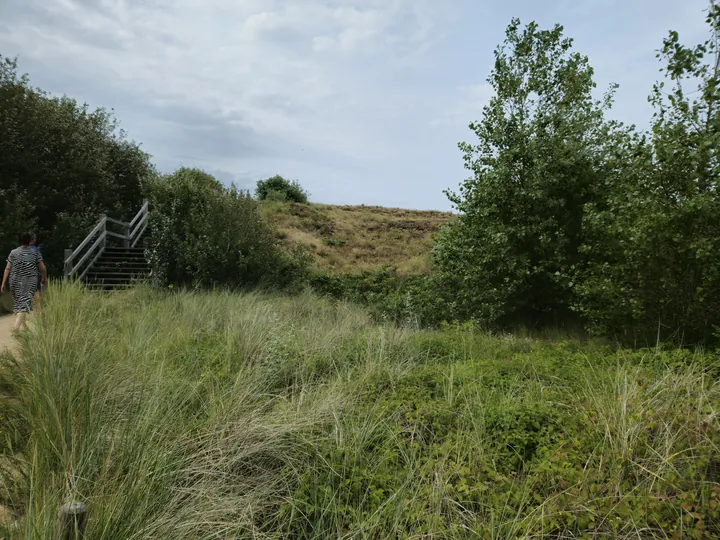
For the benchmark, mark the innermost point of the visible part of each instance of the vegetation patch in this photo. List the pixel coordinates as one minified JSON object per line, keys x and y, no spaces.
{"x":200,"y":415}
{"x":356,"y":239}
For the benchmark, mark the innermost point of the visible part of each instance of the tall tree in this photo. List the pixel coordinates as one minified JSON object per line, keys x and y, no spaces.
{"x":540,"y":157}
{"x":61,"y":164}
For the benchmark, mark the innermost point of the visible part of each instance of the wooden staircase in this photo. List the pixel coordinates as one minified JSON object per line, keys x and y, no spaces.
{"x":118,"y":268}
{"x":108,"y":260}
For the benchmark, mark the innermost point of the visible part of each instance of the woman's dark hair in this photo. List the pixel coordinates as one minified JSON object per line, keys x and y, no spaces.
{"x":25,"y":239}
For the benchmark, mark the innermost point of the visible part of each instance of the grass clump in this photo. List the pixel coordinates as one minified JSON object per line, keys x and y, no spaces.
{"x":215,"y":415}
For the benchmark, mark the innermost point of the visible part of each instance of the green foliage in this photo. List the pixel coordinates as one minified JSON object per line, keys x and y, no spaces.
{"x":419,"y":301}
{"x":276,"y":196}
{"x":532,"y":443}
{"x":654,"y":243}
{"x":278,"y":189}
{"x":206,"y":235}
{"x":61,"y":165}
{"x":538,"y":160}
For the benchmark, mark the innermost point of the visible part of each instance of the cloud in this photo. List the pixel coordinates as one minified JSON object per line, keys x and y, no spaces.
{"x":466,"y":108}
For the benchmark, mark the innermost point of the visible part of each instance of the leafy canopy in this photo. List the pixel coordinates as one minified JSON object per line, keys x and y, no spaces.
{"x":567,"y":212}
{"x":653,"y":245}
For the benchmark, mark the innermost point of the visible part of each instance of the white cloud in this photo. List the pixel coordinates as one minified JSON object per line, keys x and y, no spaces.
{"x":220,"y":54}
{"x":467,"y":108}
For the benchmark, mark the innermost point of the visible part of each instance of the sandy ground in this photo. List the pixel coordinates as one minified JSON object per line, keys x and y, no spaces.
{"x":6,"y":342}
{"x":6,"y":339}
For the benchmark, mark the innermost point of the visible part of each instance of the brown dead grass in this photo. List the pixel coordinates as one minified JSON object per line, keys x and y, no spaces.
{"x":349,"y":239}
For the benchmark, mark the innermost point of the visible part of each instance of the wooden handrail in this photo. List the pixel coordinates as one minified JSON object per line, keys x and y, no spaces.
{"x":132,"y":232}
{"x":96,"y":230}
{"x":139,"y":236}
{"x":138,"y":226}
{"x":143,"y":212}
{"x":115,"y":221}
{"x":98,"y":243}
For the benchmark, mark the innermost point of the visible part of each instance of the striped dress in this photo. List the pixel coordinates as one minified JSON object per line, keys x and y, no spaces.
{"x":24,"y":273}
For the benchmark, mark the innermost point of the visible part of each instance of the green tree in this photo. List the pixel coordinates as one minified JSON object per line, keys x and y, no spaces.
{"x":654,"y":246}
{"x":278,"y":188}
{"x":539,"y":159}
{"x":61,"y":165}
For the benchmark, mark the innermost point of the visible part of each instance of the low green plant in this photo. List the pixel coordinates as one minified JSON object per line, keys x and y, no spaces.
{"x":421,"y":300}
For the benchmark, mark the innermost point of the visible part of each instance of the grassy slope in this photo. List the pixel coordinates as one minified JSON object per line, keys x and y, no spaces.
{"x":347,"y":239}
{"x":247,"y":416}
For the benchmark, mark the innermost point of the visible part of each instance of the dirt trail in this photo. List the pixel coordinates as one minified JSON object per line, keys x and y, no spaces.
{"x":6,"y":339}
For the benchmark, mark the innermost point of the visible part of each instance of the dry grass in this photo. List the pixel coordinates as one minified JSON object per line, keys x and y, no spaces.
{"x":349,"y":239}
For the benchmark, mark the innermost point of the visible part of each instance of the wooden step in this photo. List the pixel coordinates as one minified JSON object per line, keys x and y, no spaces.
{"x":109,"y":286}
{"x":115,"y":280}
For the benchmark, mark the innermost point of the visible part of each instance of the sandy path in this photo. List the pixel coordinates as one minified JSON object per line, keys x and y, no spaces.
{"x":6,"y":339}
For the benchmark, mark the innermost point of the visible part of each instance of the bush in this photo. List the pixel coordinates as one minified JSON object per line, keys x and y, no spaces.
{"x":276,"y":196}
{"x":278,"y":188}
{"x":205,"y":235}
{"x":421,"y":301}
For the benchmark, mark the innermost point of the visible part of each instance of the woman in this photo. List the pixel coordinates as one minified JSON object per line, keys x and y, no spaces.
{"x":24,"y":266}
{"x":36,"y":299}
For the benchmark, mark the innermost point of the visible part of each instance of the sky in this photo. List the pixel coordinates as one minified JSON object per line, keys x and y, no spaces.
{"x":361,"y":101}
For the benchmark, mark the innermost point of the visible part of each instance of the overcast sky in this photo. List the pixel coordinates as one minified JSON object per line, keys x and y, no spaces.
{"x":362,"y":101}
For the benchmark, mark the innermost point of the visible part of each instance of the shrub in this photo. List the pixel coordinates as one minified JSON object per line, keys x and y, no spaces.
{"x":273,"y":188}
{"x":417,"y":300}
{"x":205,"y":235}
{"x":276,"y":196}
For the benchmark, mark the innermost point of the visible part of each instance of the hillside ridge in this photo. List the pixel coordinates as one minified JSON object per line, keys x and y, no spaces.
{"x":351,"y":239}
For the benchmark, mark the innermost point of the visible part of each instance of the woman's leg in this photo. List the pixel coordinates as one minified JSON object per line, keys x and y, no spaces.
{"x":20,"y":321}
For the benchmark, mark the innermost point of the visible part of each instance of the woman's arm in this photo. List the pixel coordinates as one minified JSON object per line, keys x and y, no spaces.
{"x":5,"y":277}
{"x":43,"y":271}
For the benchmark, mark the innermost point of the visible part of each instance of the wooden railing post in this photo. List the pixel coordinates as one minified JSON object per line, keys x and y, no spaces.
{"x":72,"y":521}
{"x":103,"y":220}
{"x":67,"y":270}
{"x":126,"y":242}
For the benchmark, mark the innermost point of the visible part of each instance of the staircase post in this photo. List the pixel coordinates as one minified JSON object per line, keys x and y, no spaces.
{"x":103,"y":220}
{"x":71,"y":521}
{"x":67,"y":270}
{"x":126,"y":241}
